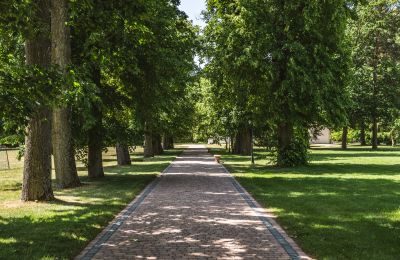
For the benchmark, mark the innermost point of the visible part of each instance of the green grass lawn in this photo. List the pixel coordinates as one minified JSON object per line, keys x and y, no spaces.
{"x":60,"y":229}
{"x":345,"y":205}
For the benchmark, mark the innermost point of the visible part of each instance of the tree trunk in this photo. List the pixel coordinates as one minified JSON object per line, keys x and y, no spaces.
{"x":168,"y":142}
{"x":123,"y":156}
{"x":36,"y":183}
{"x":363,"y":142}
{"x":393,"y":139}
{"x":285,"y":135}
{"x":37,"y":159}
{"x":148,"y":144}
{"x":63,"y":149}
{"x":374,"y":138}
{"x":243,"y":141}
{"x":95,"y":156}
{"x":344,"y":137}
{"x":237,"y":145}
{"x":231,"y":147}
{"x":374,"y":134}
{"x":157,"y":146}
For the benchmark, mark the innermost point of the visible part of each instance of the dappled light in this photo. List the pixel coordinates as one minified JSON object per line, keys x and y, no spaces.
{"x":193,"y":211}
{"x":75,"y":217}
{"x":199,"y":129}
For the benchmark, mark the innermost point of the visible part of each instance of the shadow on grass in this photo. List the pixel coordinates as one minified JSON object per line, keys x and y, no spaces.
{"x":322,"y":169}
{"x":354,"y":217}
{"x":129,"y":169}
{"x":68,"y":225}
{"x":15,"y":186}
{"x":345,"y":154}
{"x":358,"y":149}
{"x":335,"y":218}
{"x":318,"y":168}
{"x":60,"y":229}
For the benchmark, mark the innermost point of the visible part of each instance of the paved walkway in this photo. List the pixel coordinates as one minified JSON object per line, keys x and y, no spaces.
{"x":195,"y":210}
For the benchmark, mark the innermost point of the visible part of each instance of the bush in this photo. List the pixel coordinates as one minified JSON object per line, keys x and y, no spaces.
{"x":353,"y":135}
{"x":384,"y":138}
{"x":297,"y":152}
{"x":336,"y":136}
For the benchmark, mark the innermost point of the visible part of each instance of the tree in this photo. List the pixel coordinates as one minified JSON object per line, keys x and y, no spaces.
{"x":29,"y":86}
{"x":123,"y":157}
{"x":63,"y":148}
{"x":279,"y":67}
{"x":36,"y":183}
{"x":344,"y":137}
{"x":375,"y":83}
{"x":141,"y":60}
{"x":231,"y":71}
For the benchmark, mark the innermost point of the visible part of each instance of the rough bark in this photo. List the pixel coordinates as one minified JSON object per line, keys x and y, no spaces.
{"x":168,"y":142}
{"x":95,"y":156}
{"x":36,"y":183}
{"x":374,"y":133}
{"x":123,"y":156}
{"x":95,"y":137}
{"x":148,"y":144}
{"x":344,"y":137}
{"x":363,"y":141}
{"x":63,"y":148}
{"x":37,"y":159}
{"x":231,"y":147}
{"x":243,"y":141}
{"x":285,"y":136}
{"x":157,"y":146}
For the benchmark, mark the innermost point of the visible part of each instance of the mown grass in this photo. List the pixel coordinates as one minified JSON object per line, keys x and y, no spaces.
{"x":60,"y":229}
{"x":345,"y":205}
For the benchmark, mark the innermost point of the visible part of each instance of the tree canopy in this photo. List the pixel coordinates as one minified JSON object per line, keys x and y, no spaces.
{"x":77,"y":77}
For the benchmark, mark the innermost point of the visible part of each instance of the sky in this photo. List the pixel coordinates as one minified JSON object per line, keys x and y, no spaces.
{"x":193,"y":9}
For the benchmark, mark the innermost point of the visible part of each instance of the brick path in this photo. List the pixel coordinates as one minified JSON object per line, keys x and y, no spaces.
{"x":195,"y":210}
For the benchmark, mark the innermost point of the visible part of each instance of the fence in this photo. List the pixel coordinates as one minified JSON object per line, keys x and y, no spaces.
{"x":8,"y":159}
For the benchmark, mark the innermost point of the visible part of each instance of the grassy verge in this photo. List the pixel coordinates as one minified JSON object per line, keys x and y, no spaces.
{"x":345,"y":205}
{"x":60,"y":229}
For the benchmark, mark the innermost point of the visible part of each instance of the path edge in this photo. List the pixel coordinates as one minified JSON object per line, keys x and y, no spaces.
{"x":263,"y":212}
{"x":108,"y":230}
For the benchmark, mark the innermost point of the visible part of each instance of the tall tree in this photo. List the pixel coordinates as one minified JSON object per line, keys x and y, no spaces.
{"x":279,"y":67}
{"x":36,"y":183}
{"x":375,"y":84}
{"x":63,"y":148}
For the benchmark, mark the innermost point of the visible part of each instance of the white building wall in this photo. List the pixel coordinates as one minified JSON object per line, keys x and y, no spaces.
{"x":323,"y":138}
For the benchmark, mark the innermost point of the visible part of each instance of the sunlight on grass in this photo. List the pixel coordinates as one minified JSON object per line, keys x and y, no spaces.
{"x":60,"y":229}
{"x":344,"y":205}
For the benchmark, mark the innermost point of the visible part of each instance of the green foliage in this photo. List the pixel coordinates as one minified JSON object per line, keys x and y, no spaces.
{"x":140,"y":59}
{"x":296,"y":153}
{"x":25,"y":88}
{"x":353,"y":135}
{"x":373,"y":39}
{"x":270,"y":63}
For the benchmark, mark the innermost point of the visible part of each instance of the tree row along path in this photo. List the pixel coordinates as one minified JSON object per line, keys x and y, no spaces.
{"x":194,"y":210}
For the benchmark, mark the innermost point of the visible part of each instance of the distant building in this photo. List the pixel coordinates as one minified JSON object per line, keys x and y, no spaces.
{"x":324,"y":137}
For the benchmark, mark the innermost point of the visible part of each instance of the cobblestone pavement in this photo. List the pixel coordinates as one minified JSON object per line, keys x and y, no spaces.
{"x":195,"y":210}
